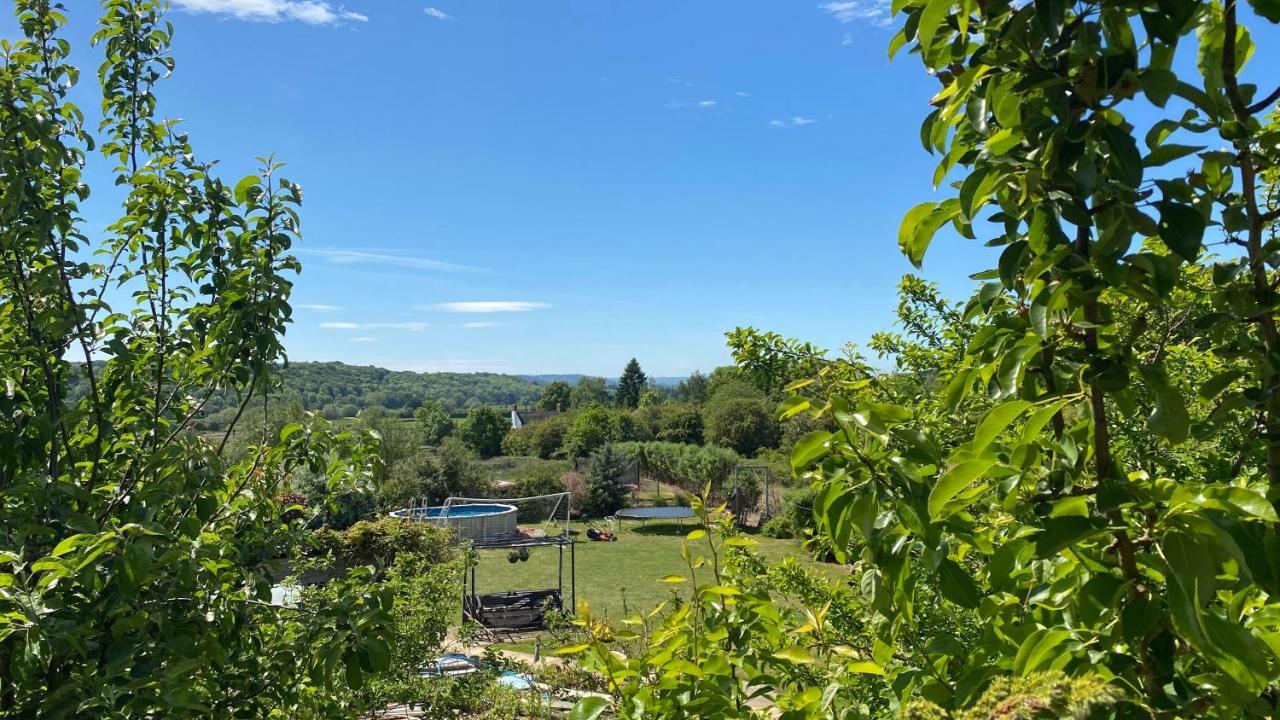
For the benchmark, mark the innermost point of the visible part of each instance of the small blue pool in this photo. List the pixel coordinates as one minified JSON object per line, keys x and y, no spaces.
{"x":482,"y":521}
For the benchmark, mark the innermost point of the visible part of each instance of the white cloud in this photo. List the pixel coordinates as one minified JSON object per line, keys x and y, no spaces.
{"x":362,"y":339}
{"x":317,"y":307}
{"x":795,"y":121}
{"x":741,"y":93}
{"x":359,"y":257}
{"x":437,"y":13}
{"x":707,"y":103}
{"x":410,"y":326}
{"x":477,"y":325}
{"x":847,"y":39}
{"x":873,"y":12}
{"x":312,"y":12}
{"x":491,"y":306}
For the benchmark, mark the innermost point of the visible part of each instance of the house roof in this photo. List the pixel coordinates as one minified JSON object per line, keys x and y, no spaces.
{"x":528,"y":416}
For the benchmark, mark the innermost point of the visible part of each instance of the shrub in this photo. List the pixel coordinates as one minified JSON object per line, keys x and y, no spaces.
{"x":379,"y":542}
{"x":690,"y":467}
{"x":744,"y":424}
{"x":432,"y":475}
{"x":604,"y":491}
{"x":483,"y":429}
{"x":779,"y":526}
{"x":590,"y":430}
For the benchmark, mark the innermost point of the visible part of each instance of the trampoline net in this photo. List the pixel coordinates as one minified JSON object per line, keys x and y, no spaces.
{"x":547,"y":515}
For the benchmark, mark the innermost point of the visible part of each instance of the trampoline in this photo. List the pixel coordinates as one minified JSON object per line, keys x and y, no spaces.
{"x":644,"y":514}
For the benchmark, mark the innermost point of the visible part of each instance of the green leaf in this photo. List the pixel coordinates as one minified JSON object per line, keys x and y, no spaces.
{"x":242,"y":188}
{"x":588,"y":708}
{"x":808,"y":448}
{"x":1040,"y":650}
{"x":795,"y":654}
{"x":1125,"y":157}
{"x":919,"y":226}
{"x":1269,"y":9}
{"x":953,"y":481}
{"x":1168,"y":153}
{"x":1061,"y":533}
{"x":1237,"y":500}
{"x":1158,"y":84}
{"x":1169,"y":419}
{"x":931,"y":18}
{"x":1181,"y":229}
{"x":1040,"y":418}
{"x":957,"y":585}
{"x":995,"y":421}
{"x":1216,"y":384}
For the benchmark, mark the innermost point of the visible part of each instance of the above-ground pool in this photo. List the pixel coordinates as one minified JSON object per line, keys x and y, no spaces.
{"x":482,"y":523}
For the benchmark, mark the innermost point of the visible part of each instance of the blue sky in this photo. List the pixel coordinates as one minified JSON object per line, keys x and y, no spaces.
{"x":558,"y":186}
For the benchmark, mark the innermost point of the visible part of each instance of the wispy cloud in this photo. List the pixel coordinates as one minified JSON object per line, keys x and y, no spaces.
{"x":706,"y":103}
{"x":312,"y":12}
{"x":362,"y":339}
{"x":478,"y":325}
{"x":437,"y":13}
{"x":872,"y":12}
{"x":410,"y":326}
{"x":359,"y":257}
{"x":742,"y":93}
{"x":794,"y":121}
{"x":317,"y":307}
{"x":491,"y":306}
{"x":847,"y":39}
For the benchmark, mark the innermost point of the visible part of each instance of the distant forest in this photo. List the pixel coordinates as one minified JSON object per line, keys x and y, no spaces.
{"x":338,"y":390}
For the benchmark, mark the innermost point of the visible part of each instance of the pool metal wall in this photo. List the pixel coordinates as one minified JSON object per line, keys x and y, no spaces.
{"x":481,"y":528}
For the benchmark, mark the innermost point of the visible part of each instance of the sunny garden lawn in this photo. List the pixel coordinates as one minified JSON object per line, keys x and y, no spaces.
{"x":613,"y":573}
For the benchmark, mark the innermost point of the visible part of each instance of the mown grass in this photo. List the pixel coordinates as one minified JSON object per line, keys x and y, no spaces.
{"x":617,"y":578}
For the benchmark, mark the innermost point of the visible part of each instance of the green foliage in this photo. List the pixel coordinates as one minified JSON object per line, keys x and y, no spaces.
{"x":380,"y":542}
{"x":135,"y":555}
{"x":434,"y":422}
{"x":674,"y":662}
{"x":631,"y":385}
{"x":589,"y":391}
{"x":693,"y":389}
{"x":591,"y":429}
{"x":690,"y":467}
{"x":670,"y":422}
{"x":483,"y":430}
{"x":432,"y":475}
{"x":1084,"y":454}
{"x":556,"y":395}
{"x":605,"y":495}
{"x":743,"y":424}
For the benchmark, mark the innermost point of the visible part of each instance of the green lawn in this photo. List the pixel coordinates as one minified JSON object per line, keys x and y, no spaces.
{"x":636,"y":561}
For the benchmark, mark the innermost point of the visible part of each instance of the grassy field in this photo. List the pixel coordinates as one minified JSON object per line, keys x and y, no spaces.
{"x":633,"y":564}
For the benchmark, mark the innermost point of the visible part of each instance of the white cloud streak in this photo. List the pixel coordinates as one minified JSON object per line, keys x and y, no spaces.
{"x":410,"y":326}
{"x":438,"y":14}
{"x":872,"y":12}
{"x":491,"y":306}
{"x":311,"y":12}
{"x":795,"y":121}
{"x":706,"y":103}
{"x":363,"y":339}
{"x":478,"y":325}
{"x":317,"y":307}
{"x":359,"y":257}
